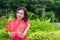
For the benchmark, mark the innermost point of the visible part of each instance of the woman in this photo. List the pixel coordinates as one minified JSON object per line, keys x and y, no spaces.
{"x":21,"y":14}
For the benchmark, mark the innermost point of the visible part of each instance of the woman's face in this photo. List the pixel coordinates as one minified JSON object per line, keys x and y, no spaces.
{"x":20,"y":14}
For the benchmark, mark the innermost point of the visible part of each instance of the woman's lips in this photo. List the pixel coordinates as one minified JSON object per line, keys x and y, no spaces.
{"x":19,"y":16}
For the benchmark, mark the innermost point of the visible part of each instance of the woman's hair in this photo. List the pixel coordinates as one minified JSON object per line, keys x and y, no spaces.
{"x":25,"y":13}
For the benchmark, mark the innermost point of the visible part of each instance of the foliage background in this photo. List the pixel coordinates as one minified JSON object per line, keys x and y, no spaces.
{"x":42,"y":16}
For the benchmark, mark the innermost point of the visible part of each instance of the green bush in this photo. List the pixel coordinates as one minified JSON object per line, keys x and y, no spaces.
{"x":2,"y":23}
{"x":48,"y":15}
{"x":31,"y":15}
{"x":11,"y":15}
{"x":4,"y":34}
{"x":36,"y":25}
{"x":44,"y":36}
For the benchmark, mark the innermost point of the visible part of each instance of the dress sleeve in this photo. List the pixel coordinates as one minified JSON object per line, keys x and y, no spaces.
{"x":26,"y":29}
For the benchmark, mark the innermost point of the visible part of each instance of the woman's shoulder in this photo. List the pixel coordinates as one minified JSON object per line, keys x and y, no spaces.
{"x":28,"y":24}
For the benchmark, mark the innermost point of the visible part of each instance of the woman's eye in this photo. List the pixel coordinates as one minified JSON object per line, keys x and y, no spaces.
{"x":21,"y":13}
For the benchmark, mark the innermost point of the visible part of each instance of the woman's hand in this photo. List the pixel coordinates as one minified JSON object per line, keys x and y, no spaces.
{"x":11,"y":34}
{"x":20,"y":35}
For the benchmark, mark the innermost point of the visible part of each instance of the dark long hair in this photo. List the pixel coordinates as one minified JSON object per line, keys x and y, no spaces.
{"x":25,"y":13}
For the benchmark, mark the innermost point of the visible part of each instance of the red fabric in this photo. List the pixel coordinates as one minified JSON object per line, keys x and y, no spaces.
{"x":18,"y":38}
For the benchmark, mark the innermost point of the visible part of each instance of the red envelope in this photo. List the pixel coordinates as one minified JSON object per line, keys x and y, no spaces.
{"x":16,"y":26}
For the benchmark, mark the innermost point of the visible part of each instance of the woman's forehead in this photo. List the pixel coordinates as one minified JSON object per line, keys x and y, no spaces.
{"x":20,"y":11}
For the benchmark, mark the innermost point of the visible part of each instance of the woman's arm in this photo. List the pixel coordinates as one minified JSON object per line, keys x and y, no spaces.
{"x":23,"y":34}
